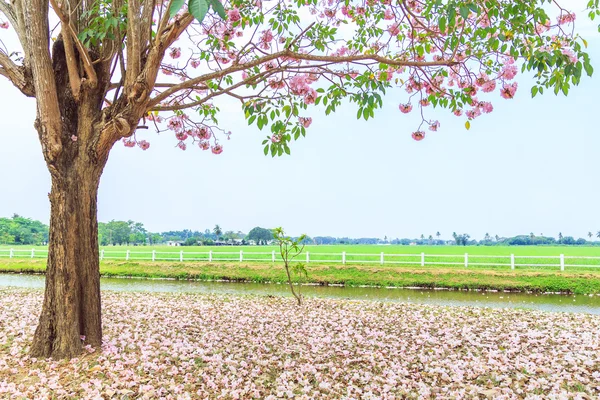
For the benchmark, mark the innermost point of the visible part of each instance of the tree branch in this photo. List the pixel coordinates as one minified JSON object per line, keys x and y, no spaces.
{"x":15,"y":74}
{"x":134,"y":45}
{"x":48,"y":121}
{"x":69,"y":30}
{"x":297,"y":56}
{"x":12,"y":14}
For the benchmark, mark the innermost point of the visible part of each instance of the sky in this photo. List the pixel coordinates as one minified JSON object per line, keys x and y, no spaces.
{"x":533,"y":165}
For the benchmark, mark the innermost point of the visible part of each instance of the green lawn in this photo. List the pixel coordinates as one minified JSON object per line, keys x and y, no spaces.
{"x":450,"y":256}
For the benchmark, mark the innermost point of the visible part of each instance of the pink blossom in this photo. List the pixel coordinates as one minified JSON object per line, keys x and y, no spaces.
{"x":394,"y":29}
{"x":181,"y":136}
{"x":474,"y":113}
{"x":424,"y":102}
{"x":182,"y":145}
{"x":204,"y":145}
{"x":276,"y":138}
{"x":405,"y":108}
{"x":4,"y":25}
{"x":566,"y":18}
{"x":486,"y":107}
{"x":388,"y":15}
{"x":217,"y":149}
{"x":310,"y":96}
{"x":419,"y":135}
{"x":305,"y":121}
{"x":128,"y":143}
{"x":195,"y":63}
{"x":144,"y":145}
{"x":570,"y":54}
{"x":509,"y":71}
{"x":508,"y":90}
{"x":234,"y":14}
{"x":74,"y":138}
{"x":175,"y":52}
{"x":458,"y":112}
{"x":489,"y":86}
{"x":434,"y":126}
{"x":204,"y":133}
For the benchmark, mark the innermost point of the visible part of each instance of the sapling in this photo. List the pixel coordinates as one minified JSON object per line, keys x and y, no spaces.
{"x":290,"y":249}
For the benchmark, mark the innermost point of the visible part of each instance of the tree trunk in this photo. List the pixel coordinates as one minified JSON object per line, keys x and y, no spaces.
{"x":71,"y":309}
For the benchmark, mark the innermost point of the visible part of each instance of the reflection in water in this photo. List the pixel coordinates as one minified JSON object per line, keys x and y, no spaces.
{"x":545,"y":302}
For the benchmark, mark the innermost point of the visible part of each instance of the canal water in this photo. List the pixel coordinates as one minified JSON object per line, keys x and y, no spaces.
{"x":544,"y":302}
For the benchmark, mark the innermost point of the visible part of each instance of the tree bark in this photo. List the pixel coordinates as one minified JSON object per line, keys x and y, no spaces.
{"x":71,"y":312}
{"x":71,"y":308}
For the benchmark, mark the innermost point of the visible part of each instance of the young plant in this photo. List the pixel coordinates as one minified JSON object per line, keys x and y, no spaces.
{"x":290,"y":249}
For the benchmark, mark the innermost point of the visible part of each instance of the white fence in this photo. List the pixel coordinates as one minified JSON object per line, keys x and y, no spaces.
{"x":467,"y":260}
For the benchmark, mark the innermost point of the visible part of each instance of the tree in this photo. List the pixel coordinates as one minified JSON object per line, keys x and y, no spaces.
{"x":290,"y":249}
{"x":438,"y":234}
{"x":260,"y":235}
{"x":110,"y":69}
{"x":560,"y":237}
{"x":590,"y":234}
{"x":598,"y":234}
{"x":217,"y":231}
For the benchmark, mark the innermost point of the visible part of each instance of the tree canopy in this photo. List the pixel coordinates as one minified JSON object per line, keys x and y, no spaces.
{"x":20,"y":230}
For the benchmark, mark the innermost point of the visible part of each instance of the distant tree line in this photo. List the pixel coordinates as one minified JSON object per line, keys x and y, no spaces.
{"x":19,"y":230}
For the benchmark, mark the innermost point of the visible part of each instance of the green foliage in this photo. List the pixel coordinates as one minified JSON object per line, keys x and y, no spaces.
{"x":198,"y":8}
{"x":20,"y":230}
{"x":103,"y":22}
{"x":122,"y":232}
{"x":289,"y":249}
{"x":260,"y":235}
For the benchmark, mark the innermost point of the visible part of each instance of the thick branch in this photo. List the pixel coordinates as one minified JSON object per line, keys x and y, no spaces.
{"x":48,"y":110}
{"x":134,"y":45}
{"x":15,"y":74}
{"x":69,"y":30}
{"x":12,"y":14}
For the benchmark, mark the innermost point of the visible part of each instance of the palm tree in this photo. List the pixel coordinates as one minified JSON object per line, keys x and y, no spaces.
{"x":497,"y":238}
{"x":598,"y":235}
{"x":422,"y":236}
{"x":560,"y":237}
{"x":217,"y":231}
{"x":430,"y":239}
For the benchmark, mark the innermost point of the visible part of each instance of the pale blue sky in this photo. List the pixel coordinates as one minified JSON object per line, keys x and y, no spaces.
{"x":530,"y":166}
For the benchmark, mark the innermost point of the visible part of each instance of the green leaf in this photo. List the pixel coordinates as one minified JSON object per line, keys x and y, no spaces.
{"x":442,"y":24}
{"x":534,"y":91}
{"x":198,"y":8}
{"x":175,"y":7}
{"x":588,"y":68}
{"x":464,"y":12}
{"x":218,"y":7}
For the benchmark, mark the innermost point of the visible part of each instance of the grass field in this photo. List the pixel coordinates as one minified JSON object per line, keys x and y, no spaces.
{"x":536,"y":268}
{"x":478,"y":256}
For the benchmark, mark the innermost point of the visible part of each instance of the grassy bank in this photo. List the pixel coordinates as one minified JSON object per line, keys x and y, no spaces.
{"x":580,"y":282}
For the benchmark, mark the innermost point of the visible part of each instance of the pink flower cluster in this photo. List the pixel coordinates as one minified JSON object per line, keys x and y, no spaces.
{"x":305,"y":121}
{"x":4,"y":25}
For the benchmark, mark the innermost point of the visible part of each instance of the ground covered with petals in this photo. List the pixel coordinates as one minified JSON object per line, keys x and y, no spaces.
{"x":199,"y":346}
